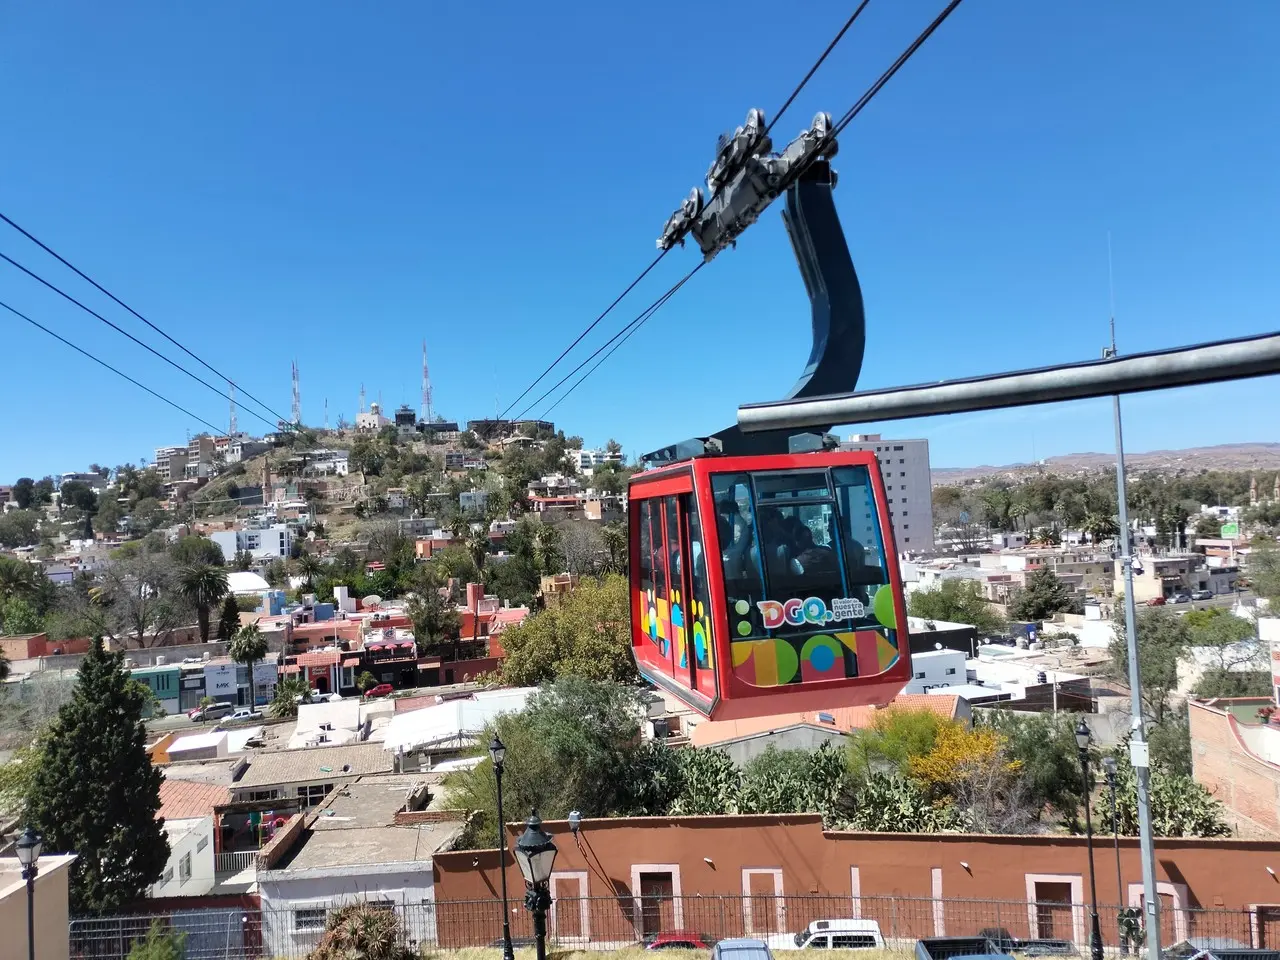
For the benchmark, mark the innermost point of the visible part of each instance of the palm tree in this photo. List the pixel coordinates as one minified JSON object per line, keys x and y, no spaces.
{"x":248,"y":646}
{"x":615,"y":542}
{"x":478,"y":547}
{"x":1098,"y":527}
{"x":204,"y":586}
{"x":309,"y":567}
{"x":285,"y":702}
{"x":17,"y":579}
{"x":546,"y":549}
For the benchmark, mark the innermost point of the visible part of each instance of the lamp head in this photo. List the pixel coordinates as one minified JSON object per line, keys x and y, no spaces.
{"x":1082,"y":735}
{"x":575,"y":821}
{"x":535,"y":852}
{"x":1109,"y":765}
{"x":28,"y":847}
{"x":497,"y":751}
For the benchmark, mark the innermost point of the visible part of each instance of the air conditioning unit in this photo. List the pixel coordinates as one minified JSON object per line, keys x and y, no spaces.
{"x":161,"y":660}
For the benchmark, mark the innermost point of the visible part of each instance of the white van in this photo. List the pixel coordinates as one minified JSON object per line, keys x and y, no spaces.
{"x":832,"y":935}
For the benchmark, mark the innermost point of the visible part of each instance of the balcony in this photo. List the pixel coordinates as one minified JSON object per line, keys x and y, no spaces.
{"x":228,"y":864}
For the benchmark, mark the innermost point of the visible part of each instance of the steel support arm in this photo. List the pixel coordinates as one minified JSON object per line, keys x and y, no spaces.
{"x":1185,"y":366}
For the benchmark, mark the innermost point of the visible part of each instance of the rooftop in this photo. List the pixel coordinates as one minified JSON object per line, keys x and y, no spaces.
{"x":316,"y":764}
{"x":183,"y":799}
{"x":222,"y":771}
{"x":842,"y":719}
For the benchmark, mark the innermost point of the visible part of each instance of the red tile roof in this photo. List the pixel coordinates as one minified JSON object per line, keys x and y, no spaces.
{"x":183,"y":799}
{"x":321,"y":658}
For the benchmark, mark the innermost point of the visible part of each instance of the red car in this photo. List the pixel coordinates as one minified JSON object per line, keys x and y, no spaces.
{"x":680,"y":940}
{"x":1156,"y":602}
{"x":381,"y":690}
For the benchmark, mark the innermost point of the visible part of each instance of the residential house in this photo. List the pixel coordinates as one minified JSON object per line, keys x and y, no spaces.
{"x":309,"y":775}
{"x":272,"y":542}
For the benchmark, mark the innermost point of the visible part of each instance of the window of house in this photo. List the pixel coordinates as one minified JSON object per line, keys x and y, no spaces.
{"x":184,"y":868}
{"x":919,"y":676}
{"x":951,"y":671}
{"x":309,"y":918}
{"x":897,"y":448}
{"x":168,"y":876}
{"x":204,"y":842}
{"x":262,"y":795}
{"x":313,"y":793}
{"x":902,"y":461}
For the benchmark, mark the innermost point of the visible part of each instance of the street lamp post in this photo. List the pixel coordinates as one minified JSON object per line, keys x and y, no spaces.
{"x":536,"y":855}
{"x":498,"y":754}
{"x":1109,"y":767}
{"x":28,"y":848}
{"x":1095,"y":931}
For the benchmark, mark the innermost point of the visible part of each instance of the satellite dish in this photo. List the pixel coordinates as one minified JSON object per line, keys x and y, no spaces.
{"x":371,"y":601}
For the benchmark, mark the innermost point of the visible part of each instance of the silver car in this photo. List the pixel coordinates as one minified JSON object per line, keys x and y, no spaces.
{"x":741,"y":949}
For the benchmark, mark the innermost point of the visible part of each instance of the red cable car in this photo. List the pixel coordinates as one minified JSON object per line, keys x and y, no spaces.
{"x":767,"y":584}
{"x":764,"y":577}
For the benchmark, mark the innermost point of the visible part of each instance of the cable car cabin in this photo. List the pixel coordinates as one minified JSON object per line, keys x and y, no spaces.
{"x":767,"y":584}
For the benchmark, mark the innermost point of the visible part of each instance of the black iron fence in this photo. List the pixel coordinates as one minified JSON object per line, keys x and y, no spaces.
{"x":279,"y":932}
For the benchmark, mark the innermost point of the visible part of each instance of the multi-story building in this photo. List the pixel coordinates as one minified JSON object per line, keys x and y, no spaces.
{"x":463,"y":460}
{"x":406,"y":421}
{"x":243,"y":448}
{"x":585,"y":460}
{"x":908,"y":482}
{"x":372,"y":421}
{"x":202,"y":451}
{"x":1164,"y":576}
{"x":263,"y":543}
{"x":171,"y":463}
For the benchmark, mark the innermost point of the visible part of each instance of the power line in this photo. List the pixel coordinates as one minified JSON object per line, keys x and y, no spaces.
{"x":640,"y":318}
{"x":812,"y":70}
{"x":578,"y":339}
{"x":84,"y":276}
{"x":118,"y":373}
{"x":894,"y":68}
{"x":629,"y":329}
{"x":150,"y":349}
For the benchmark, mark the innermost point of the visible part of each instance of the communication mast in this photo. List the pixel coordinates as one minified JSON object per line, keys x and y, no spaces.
{"x":361,"y":410}
{"x":297,"y":397}
{"x":326,"y":413}
{"x":426,"y":386}
{"x":231,"y":426}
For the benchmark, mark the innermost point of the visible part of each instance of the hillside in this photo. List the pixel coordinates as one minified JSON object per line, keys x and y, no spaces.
{"x":1227,"y":456}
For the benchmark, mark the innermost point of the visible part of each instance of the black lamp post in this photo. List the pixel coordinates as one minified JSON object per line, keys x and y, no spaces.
{"x":1095,"y":932}
{"x":1109,"y":767}
{"x":498,"y":754}
{"x":29,"y":845}
{"x":536,"y":855}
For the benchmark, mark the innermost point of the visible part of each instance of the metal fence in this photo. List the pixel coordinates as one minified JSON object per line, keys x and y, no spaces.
{"x":607,"y":923}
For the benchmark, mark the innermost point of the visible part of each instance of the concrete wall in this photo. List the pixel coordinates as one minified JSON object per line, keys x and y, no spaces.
{"x":51,"y":910}
{"x":794,"y":738}
{"x":1223,"y":764}
{"x":726,"y":855}
{"x":194,"y":838}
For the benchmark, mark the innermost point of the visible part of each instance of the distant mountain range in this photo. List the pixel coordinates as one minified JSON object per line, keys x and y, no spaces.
{"x":1227,"y":456}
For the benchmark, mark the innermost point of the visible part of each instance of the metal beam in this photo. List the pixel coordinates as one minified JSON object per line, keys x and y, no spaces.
{"x":1185,"y":366}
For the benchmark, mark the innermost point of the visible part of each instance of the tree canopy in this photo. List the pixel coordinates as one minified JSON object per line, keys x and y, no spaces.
{"x":96,"y":794}
{"x":1043,"y":596}
{"x":956,"y":601}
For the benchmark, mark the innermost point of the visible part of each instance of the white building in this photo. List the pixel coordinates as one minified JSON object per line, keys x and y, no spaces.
{"x":585,"y":460}
{"x":265,"y":543}
{"x":190,"y":870}
{"x":936,"y":669}
{"x":240,"y":449}
{"x":372,"y":421}
{"x":473,"y":500}
{"x":908,"y":482}
{"x":171,"y":462}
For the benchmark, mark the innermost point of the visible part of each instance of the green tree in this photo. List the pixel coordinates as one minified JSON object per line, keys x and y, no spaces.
{"x":24,"y":492}
{"x":19,"y":528}
{"x":956,"y":601}
{"x":193,"y":550}
{"x":1163,"y":638}
{"x":242,"y":561}
{"x":575,"y":746}
{"x":1098,"y":527}
{"x":614,"y":537}
{"x":798,"y":781}
{"x":203,"y":585}
{"x":366,"y":681}
{"x":160,"y":943}
{"x":17,"y":617}
{"x":1264,"y":569}
{"x":285,"y":703}
{"x":710,"y":783}
{"x":135,"y":600}
{"x":1044,"y":746}
{"x":248,"y":646}
{"x":96,"y":794}
{"x":435,"y":619}
{"x":1180,"y":807}
{"x":892,"y":803}
{"x":893,"y":738}
{"x":229,"y":619}
{"x":1042,"y":597}
{"x":309,"y":567}
{"x":546,"y":548}
{"x":588,"y":634}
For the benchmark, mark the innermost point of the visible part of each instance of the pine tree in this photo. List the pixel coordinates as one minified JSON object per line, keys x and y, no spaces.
{"x":96,"y":794}
{"x":229,"y":619}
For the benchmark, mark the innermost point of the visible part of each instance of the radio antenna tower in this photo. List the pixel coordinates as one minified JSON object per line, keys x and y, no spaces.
{"x":231,"y":392}
{"x":361,"y":398}
{"x":297,"y":397}
{"x":426,"y":386}
{"x":326,"y":413}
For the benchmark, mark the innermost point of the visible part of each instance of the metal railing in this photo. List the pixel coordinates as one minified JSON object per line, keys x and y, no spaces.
{"x":235,"y":861}
{"x":608,"y":923}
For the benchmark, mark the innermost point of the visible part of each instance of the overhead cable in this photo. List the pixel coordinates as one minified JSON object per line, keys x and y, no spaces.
{"x":814,"y":69}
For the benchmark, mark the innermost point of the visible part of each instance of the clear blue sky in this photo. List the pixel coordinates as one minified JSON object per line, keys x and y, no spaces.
{"x":333,"y":182}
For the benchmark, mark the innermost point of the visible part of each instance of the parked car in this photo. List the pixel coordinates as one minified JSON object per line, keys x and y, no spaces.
{"x":244,"y":713}
{"x":1156,"y":602}
{"x":680,"y":940}
{"x":1195,"y":946}
{"x":741,"y":949}
{"x":831,"y":935}
{"x":1181,"y":597}
{"x":1202,"y":595}
{"x":381,"y":690}
{"x":213,"y":711}
{"x":954,"y":948}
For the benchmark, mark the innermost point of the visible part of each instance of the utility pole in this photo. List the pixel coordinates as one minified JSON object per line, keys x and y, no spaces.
{"x":1139,"y":751}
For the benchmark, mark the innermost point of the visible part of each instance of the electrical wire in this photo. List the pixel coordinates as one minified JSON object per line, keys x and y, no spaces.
{"x":84,"y":276}
{"x":118,"y":373}
{"x":631,"y":286}
{"x":629,"y":329}
{"x":150,"y":349}
{"x":896,"y":66}
{"x":812,"y":70}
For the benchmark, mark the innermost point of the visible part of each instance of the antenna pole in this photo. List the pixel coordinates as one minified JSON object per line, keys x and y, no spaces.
{"x":231,"y":392}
